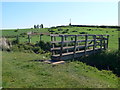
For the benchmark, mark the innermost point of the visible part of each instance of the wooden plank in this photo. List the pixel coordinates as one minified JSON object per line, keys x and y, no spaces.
{"x":104,"y":43}
{"x":72,"y":47}
{"x":53,"y":46}
{"x":94,"y":37}
{"x":29,"y":40}
{"x":40,"y":37}
{"x":73,"y":41}
{"x":67,"y":44}
{"x":59,"y":35}
{"x":107,"y":40}
{"x":61,"y":49}
{"x":77,"y":52}
{"x":101,"y":42}
{"x":75,"y":44}
{"x":86,"y":38}
{"x":59,"y":62}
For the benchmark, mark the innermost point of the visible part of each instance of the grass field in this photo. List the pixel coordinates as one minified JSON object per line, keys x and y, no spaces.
{"x":113,"y":39}
{"x":20,"y":72}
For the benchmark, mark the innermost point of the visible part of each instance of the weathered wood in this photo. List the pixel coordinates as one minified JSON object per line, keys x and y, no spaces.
{"x":53,"y":45}
{"x":74,"y":41}
{"x":75,"y":44}
{"x":107,"y":41}
{"x":104,"y":44}
{"x":54,"y":38}
{"x":73,"y":35}
{"x":29,"y":40}
{"x":59,"y":62}
{"x":40,"y":37}
{"x":86,"y":38}
{"x":62,"y":40}
{"x":67,"y":43}
{"x":69,"y":55}
{"x":94,"y":36}
{"x":82,"y":49}
{"x":72,"y":47}
{"x":101,"y":42}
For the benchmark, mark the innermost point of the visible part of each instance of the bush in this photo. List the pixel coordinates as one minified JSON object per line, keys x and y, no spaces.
{"x":16,"y":31}
{"x":83,"y":32}
{"x":45,"y":46}
{"x":60,"y":29}
{"x":74,"y":31}
{"x":106,"y":31}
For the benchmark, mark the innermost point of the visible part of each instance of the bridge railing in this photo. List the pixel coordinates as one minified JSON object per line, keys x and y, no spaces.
{"x":73,"y":46}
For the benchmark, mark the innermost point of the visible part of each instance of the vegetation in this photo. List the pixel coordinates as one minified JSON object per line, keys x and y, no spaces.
{"x":19,"y":71}
{"x":22,"y":66}
{"x":113,"y":32}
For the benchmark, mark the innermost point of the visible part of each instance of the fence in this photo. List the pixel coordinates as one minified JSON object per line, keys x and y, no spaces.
{"x":78,"y":45}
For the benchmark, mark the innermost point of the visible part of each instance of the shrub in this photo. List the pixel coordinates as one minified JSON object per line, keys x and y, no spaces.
{"x":74,"y":31}
{"x":106,"y":31}
{"x":60,"y":29}
{"x":36,"y":49}
{"x":83,"y":32}
{"x":16,"y":31}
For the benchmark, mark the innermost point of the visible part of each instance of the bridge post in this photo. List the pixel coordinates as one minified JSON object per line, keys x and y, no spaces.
{"x":75,"y":44}
{"x":61,"y":49}
{"x":101,"y":37}
{"x":66,"y":38}
{"x":52,"y":44}
{"x":104,"y":43}
{"x":94,"y":46}
{"x":107,"y":41}
{"x":40,"y":37}
{"x":29,"y":40}
{"x":86,"y":39}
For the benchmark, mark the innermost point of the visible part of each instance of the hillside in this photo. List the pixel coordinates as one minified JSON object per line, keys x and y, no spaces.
{"x":20,"y":72}
{"x":21,"y":66}
{"x":113,"y":32}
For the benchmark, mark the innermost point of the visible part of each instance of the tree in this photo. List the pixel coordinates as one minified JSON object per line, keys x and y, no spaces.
{"x":41,"y":26}
{"x":38,"y":26}
{"x":35,"y":26}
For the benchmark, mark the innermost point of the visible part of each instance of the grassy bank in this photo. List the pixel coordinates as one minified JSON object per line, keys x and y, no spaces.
{"x":20,"y":72}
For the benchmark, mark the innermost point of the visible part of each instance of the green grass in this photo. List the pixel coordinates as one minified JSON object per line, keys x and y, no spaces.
{"x":20,"y":72}
{"x":113,"y":39}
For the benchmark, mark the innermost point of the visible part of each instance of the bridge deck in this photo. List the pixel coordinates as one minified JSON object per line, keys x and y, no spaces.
{"x":70,"y":55}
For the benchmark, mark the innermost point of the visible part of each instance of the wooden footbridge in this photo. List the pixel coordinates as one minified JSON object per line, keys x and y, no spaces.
{"x":73,"y":46}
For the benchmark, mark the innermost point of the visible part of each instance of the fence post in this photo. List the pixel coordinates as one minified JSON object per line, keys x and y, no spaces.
{"x":61,"y":49}
{"x":29,"y":40}
{"x":86,"y":38}
{"x":75,"y":44}
{"x":52,"y":45}
{"x":40,"y":37}
{"x":94,"y":46}
{"x":66,"y":38}
{"x":107,"y":41}
{"x":54,"y":38}
{"x":17,"y":39}
{"x":104,"y":43}
{"x":101,"y":37}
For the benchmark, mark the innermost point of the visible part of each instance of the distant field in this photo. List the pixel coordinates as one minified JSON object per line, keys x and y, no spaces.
{"x":113,"y":39}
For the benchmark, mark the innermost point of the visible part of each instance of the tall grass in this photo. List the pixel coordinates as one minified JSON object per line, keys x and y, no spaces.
{"x":108,"y":60}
